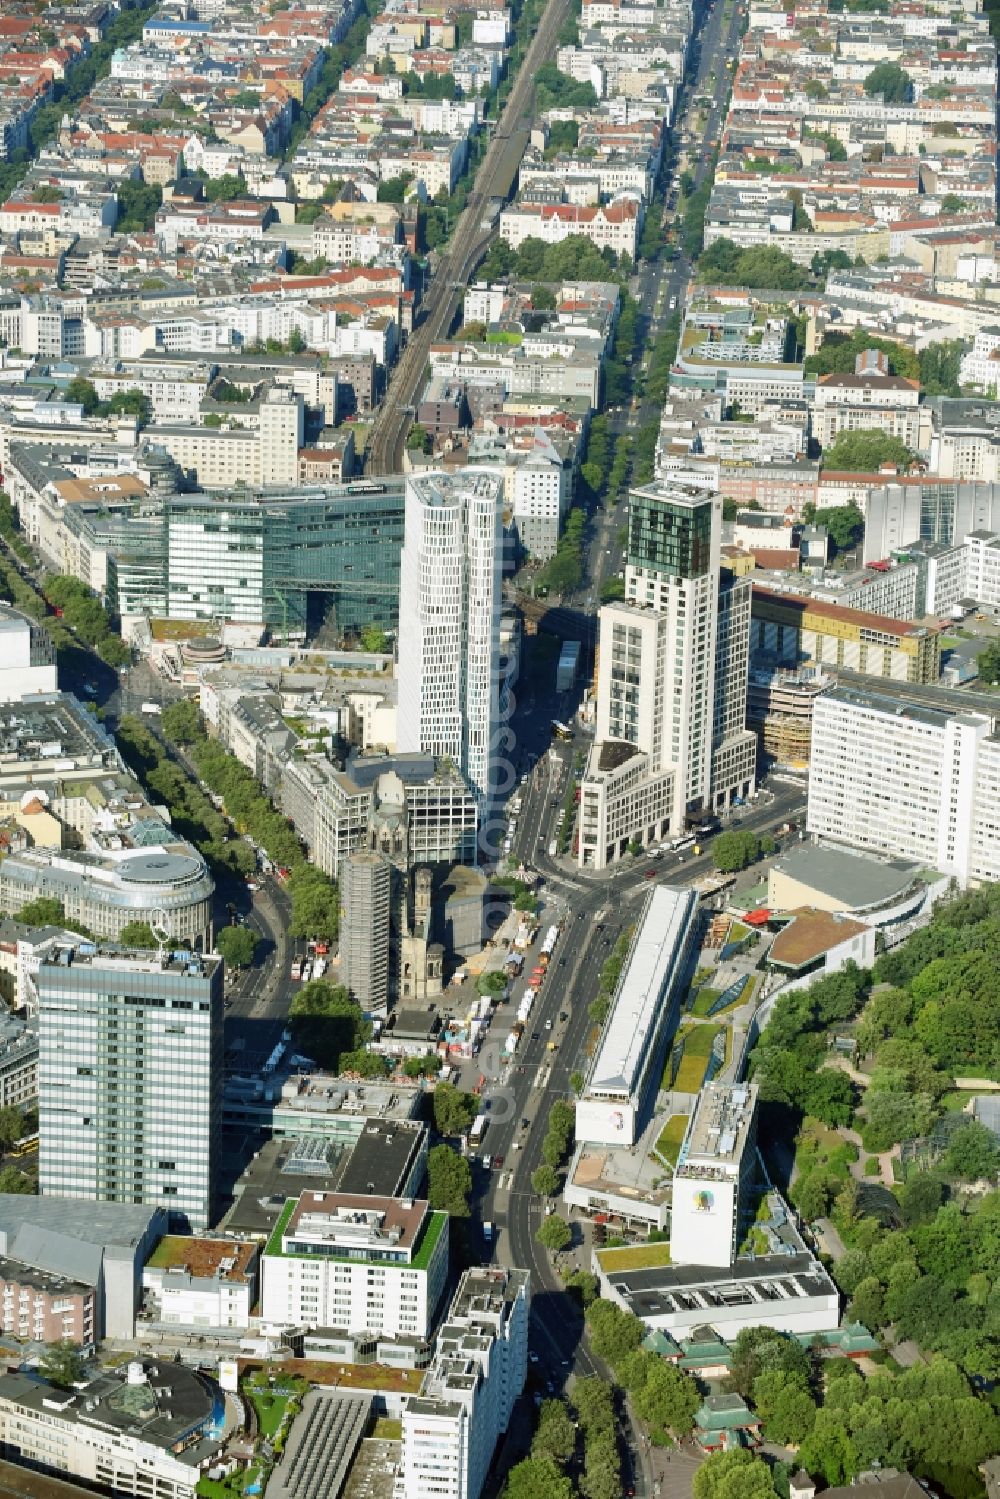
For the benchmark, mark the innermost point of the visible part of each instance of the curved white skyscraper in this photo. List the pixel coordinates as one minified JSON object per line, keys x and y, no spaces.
{"x":449,"y":621}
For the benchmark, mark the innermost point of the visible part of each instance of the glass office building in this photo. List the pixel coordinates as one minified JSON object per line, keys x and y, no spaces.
{"x":287,"y":559}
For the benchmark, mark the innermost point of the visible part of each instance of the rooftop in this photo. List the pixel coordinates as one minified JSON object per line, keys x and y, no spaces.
{"x":204,"y":1259}
{"x":321,"y":1445}
{"x":361,"y":1227}
{"x":163,"y":1404}
{"x":809,"y":935}
{"x":649,"y":970}
{"x":900,"y":707}
{"x":719,"y":1130}
{"x":763,"y":1279}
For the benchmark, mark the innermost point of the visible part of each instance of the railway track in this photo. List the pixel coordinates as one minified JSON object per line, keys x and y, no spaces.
{"x":494,"y":180}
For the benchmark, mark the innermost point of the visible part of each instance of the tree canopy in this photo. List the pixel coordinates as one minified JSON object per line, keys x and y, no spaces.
{"x":236,"y":945}
{"x":760,"y":267}
{"x":737,"y":1474}
{"x":326,"y":1022}
{"x":555,"y":1233}
{"x":449,"y":1181}
{"x":454,"y":1110}
{"x":892,"y":82}
{"x":865,"y":451}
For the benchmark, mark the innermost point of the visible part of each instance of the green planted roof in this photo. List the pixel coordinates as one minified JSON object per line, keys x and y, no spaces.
{"x":436,"y":1223}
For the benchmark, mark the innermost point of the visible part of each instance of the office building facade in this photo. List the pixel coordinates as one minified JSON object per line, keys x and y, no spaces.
{"x":259,"y":557}
{"x":449,"y":622}
{"x":672,"y":679}
{"x":130,"y":1078}
{"x":356,"y":1264}
{"x":895,"y":776}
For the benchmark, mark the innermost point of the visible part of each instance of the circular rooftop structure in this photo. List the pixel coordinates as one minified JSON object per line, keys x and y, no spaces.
{"x":161,"y":867}
{"x":203,"y":648}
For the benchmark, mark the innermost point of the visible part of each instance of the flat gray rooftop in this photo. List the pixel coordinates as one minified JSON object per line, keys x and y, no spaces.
{"x":858,"y":881}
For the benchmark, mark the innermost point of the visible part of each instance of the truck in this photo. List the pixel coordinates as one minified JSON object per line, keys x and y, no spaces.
{"x":488,"y":1231}
{"x":296,"y":968}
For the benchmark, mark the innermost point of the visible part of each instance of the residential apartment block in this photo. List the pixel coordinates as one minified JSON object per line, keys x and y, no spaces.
{"x":896,"y":776}
{"x":452,"y":1428}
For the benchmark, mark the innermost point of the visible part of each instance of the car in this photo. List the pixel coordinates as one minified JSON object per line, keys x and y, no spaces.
{"x":497,"y":1162}
{"x":548,"y":1025}
{"x":533,"y":1357}
{"x":650,"y":874}
{"x":535,"y":1035}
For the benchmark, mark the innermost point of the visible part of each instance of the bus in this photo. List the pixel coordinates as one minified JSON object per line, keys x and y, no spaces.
{"x":561,"y":730}
{"x":478,"y":1130}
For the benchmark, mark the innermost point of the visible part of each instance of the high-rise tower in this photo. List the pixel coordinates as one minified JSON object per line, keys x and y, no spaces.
{"x":130,"y":1078}
{"x":449,"y":621}
{"x":671,"y":679}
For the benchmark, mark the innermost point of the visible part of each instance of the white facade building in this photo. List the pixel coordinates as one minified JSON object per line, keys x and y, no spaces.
{"x":451,"y":1429}
{"x":714,"y":1176}
{"x":896,"y":777}
{"x":193,"y":1282}
{"x":623,"y":1080}
{"x":88,"y":1433}
{"x":27,"y":657}
{"x":449,"y":621}
{"x":356,"y":1264}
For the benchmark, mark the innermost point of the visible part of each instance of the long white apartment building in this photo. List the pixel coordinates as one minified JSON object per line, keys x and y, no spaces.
{"x":714,"y":1176}
{"x":894,"y":776}
{"x":356,"y":1264}
{"x":451,"y":1429}
{"x":449,"y":621}
{"x":621,"y":1086}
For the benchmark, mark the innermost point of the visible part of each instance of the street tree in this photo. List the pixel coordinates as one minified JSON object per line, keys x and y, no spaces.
{"x":43,"y":911}
{"x":236,"y":945}
{"x":181,"y":722}
{"x":546,"y":1180}
{"x":454,"y":1110}
{"x":613,"y":1333}
{"x":449,"y":1181}
{"x":556,"y":1434}
{"x":137,"y":934}
{"x":537,"y":1478}
{"x":555,"y":1233}
{"x":737,"y":1474}
{"x":326,"y":1022}
{"x":11,"y":1126}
